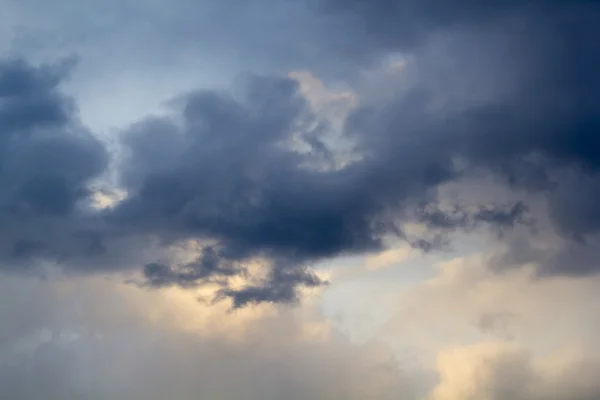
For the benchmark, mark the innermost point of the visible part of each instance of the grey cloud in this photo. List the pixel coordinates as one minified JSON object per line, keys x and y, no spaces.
{"x":280,"y":287}
{"x":442,"y":223}
{"x":459,"y":217}
{"x":231,"y":178}
{"x":540,"y":120}
{"x":407,"y":24}
{"x":47,"y":159}
{"x":221,"y":168}
{"x":30,"y":97}
{"x":266,"y":36}
{"x":518,"y":100}
{"x":209,"y":266}
{"x":498,"y":325}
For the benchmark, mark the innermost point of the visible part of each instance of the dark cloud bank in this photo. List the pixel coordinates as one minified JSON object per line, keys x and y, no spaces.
{"x":221,"y":169}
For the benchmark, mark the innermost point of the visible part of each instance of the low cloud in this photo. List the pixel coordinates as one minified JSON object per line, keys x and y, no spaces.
{"x":93,"y":339}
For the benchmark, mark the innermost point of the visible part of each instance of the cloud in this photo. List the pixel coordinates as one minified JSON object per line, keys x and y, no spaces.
{"x":205,"y":267}
{"x":484,"y":371}
{"x":279,"y":287}
{"x":500,"y":371}
{"x":224,"y":170}
{"x":353,"y":133}
{"x":496,"y":337}
{"x":465,"y":303}
{"x":90,"y":338}
{"x":47,"y":161}
{"x":489,"y":92}
{"x":388,"y":258}
{"x":226,"y":165}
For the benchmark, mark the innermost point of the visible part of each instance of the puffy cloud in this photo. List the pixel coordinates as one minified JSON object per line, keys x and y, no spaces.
{"x":223,"y":166}
{"x":222,"y":170}
{"x":47,"y":161}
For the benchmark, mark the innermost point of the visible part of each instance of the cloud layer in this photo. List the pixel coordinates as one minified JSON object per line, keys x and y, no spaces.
{"x":292,"y":141}
{"x":246,"y":168}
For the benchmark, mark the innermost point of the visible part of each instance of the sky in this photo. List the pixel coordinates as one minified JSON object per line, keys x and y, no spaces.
{"x":299,"y":199}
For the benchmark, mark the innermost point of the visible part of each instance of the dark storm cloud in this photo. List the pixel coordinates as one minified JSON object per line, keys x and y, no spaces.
{"x":218,"y":177}
{"x":47,"y":159}
{"x":537,"y":115}
{"x":280,"y":287}
{"x":227,"y":174}
{"x":30,"y":98}
{"x":221,"y":167}
{"x":549,"y":51}
{"x":406,"y":24}
{"x":209,"y":266}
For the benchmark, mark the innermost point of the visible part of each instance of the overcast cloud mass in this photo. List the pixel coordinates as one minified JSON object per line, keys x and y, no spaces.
{"x":216,"y":199}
